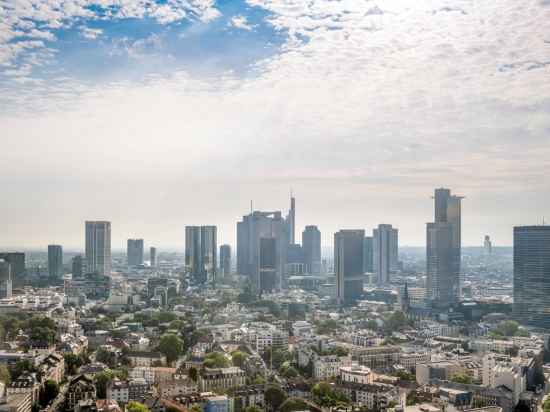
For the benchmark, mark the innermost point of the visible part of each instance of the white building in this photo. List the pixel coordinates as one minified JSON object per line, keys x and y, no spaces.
{"x":329,"y":366}
{"x":356,"y":374}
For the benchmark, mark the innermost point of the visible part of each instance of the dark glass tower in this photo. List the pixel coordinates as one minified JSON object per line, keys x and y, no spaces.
{"x":348,"y":265}
{"x":532,"y":275}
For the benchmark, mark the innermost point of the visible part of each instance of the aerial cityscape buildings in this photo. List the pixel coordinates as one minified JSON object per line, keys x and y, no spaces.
{"x":134,"y":252}
{"x":55,"y":261}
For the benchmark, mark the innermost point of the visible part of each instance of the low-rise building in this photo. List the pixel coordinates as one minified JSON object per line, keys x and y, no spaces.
{"x":222,"y":378}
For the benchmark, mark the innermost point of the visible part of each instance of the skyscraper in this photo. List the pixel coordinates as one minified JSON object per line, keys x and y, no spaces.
{"x":17,"y":265}
{"x":311,"y":245}
{"x":250,"y":230}
{"x":201,"y":253}
{"x":55,"y":261}
{"x":291,"y":221}
{"x":348,"y":265}
{"x":443,"y":250}
{"x":368,"y":255}
{"x":268,"y":264}
{"x":98,"y":247}
{"x":532,"y":275}
{"x":5,"y":279}
{"x":134,"y":252}
{"x":225,"y":261}
{"x":487,"y":245}
{"x":385,"y":252}
{"x":153,"y":256}
{"x":78,"y":267}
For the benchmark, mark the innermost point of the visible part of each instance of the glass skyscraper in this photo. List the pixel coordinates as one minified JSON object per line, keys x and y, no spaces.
{"x":532,"y":275}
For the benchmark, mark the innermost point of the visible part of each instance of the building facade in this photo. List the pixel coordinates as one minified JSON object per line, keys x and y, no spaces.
{"x":134,"y":252}
{"x":55,"y":261}
{"x":348,"y":265}
{"x":385,"y":252}
{"x":311,"y":245}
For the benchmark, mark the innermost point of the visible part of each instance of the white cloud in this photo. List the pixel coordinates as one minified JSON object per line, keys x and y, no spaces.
{"x":366,"y":111}
{"x":240,"y":22}
{"x":90,"y":34}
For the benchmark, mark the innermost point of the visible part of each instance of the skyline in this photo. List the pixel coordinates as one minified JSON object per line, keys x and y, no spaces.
{"x":120,"y":240}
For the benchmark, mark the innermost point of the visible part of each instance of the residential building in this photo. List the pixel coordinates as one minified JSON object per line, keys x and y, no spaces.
{"x":329,"y":366}
{"x":355,"y":374}
{"x":81,"y":388}
{"x":222,"y":378}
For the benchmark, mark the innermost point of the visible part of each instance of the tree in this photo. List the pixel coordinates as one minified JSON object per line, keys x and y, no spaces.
{"x":253,"y":408}
{"x":101,"y":380}
{"x":294,"y":404}
{"x":134,"y":406}
{"x":461,"y":378}
{"x":72,"y":363}
{"x":507,"y":328}
{"x":42,"y":334}
{"x":5,"y":375}
{"x":274,"y":397}
{"x":104,"y":356}
{"x":165,"y":317}
{"x":195,"y":408}
{"x":238,"y":358}
{"x":216,"y":360}
{"x":324,"y":395}
{"x":327,"y":327}
{"x":171,"y":346}
{"x":49,"y":392}
{"x":396,"y":321}
{"x":193,"y":374}
{"x":372,"y":324}
{"x":289,"y":371}
{"x":22,"y":366}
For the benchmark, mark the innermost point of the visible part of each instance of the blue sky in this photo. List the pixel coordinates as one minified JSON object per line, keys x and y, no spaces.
{"x":361,"y":106}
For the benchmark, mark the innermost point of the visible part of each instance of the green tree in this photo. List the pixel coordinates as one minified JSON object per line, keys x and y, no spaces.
{"x":253,"y":408}
{"x":396,"y":321}
{"x":216,"y":360}
{"x":104,"y":356}
{"x":461,"y":378}
{"x":171,"y":346}
{"x":5,"y":375}
{"x":274,"y":397}
{"x":134,"y":406}
{"x":49,"y":392}
{"x":294,"y":404}
{"x":72,"y":363}
{"x":101,"y":380}
{"x":22,"y":366}
{"x":372,"y":324}
{"x":238,"y":358}
{"x":507,"y":328}
{"x":195,"y":408}
{"x":327,"y":327}
{"x":166,"y":317}
{"x":193,"y":374}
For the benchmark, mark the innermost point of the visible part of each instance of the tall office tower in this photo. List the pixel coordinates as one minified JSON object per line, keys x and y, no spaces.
{"x":268,"y":264}
{"x":134,"y":252}
{"x":443,"y":250}
{"x":532,"y":275}
{"x":17,"y":265}
{"x":385,"y":252}
{"x":368,"y":255}
{"x":291,"y":221}
{"x":311,"y":245}
{"x":250,"y":230}
{"x":348,"y":265}
{"x":98,"y":247}
{"x":487,"y":245}
{"x":79,"y":267}
{"x":201,"y":253}
{"x":295,"y":262}
{"x":225,"y":261}
{"x":55,"y":261}
{"x":153,"y":256}
{"x":5,"y":279}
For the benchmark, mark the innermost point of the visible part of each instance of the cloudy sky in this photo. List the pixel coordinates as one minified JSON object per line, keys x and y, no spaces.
{"x":155,"y":114}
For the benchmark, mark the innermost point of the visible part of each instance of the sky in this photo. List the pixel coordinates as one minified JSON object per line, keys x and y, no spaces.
{"x":156,"y":114}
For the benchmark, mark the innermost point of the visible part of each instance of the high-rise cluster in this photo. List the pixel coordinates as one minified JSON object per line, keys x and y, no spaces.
{"x":201,"y":254}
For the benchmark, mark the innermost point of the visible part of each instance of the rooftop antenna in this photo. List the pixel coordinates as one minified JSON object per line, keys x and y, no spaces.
{"x":251,"y":206}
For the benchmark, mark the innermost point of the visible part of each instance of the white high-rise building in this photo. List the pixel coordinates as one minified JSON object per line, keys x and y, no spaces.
{"x":98,"y":247}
